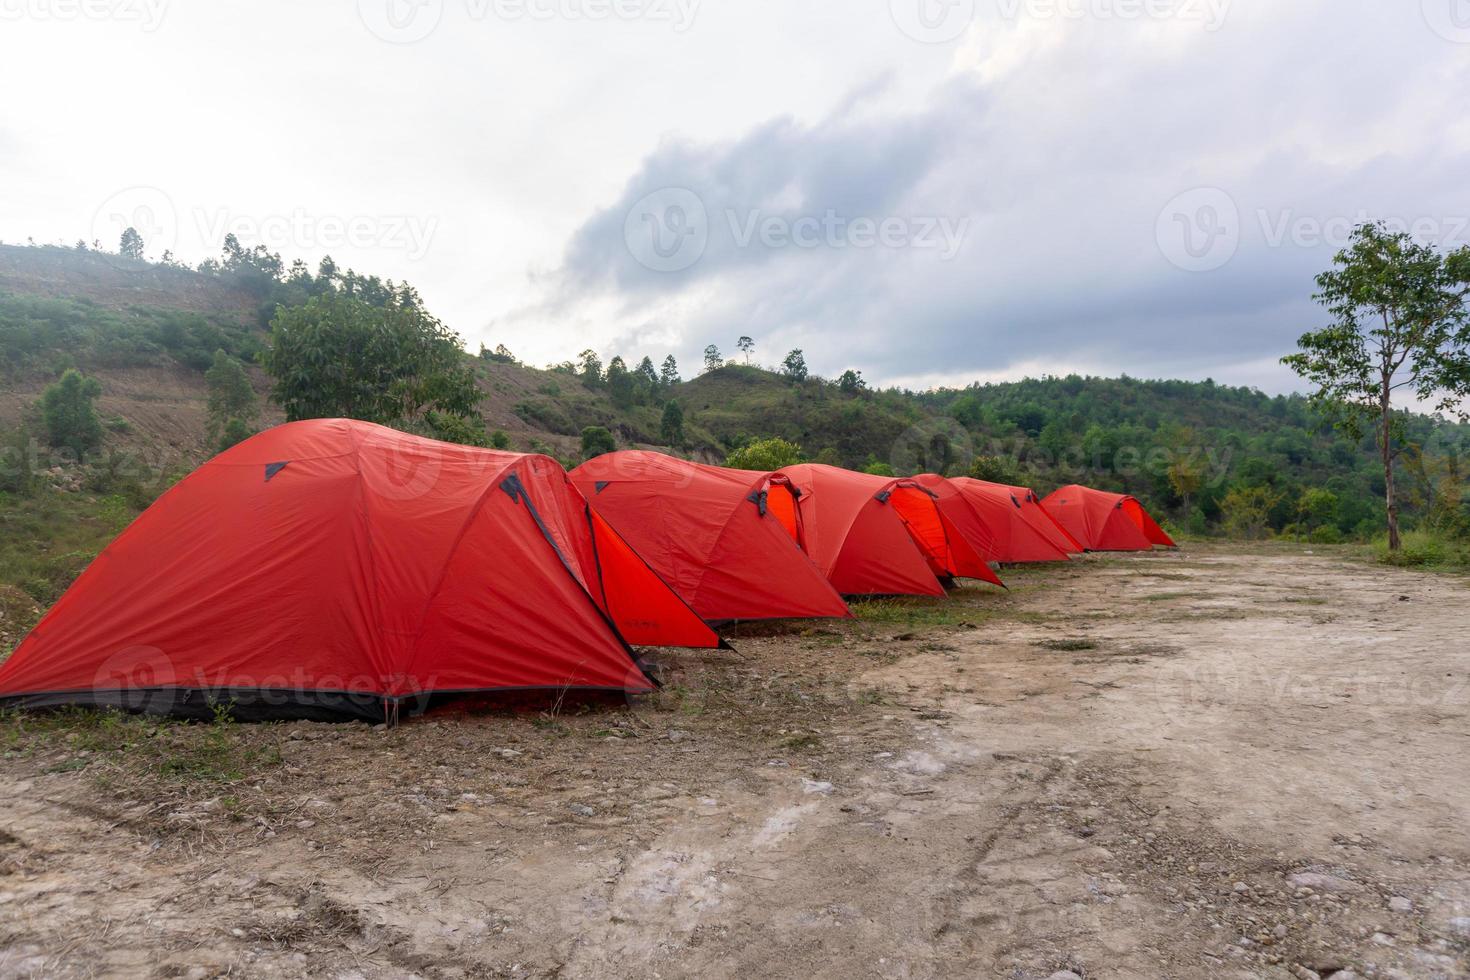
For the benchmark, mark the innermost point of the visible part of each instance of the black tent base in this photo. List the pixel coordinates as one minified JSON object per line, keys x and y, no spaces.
{"x":242,"y":704}
{"x":257,"y":704}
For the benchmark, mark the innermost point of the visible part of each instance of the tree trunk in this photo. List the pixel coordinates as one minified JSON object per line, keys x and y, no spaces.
{"x":1386,"y":446}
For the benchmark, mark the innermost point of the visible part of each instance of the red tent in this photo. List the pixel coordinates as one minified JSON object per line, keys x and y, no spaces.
{"x":718,"y":536}
{"x":1039,"y":518}
{"x":951,"y":502}
{"x":876,"y":535}
{"x":330,"y":567}
{"x":1102,"y":521}
{"x":1014,"y":536}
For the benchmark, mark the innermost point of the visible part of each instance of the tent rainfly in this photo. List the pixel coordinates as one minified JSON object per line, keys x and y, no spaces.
{"x":876,"y":535}
{"x":332,"y":568}
{"x":1102,"y":521}
{"x":1020,"y":531}
{"x":724,"y":539}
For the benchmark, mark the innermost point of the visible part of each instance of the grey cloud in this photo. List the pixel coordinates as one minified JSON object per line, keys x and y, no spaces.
{"x":1059,"y":170}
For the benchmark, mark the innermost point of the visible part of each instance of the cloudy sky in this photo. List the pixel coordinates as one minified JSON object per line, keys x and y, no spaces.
{"x":931,"y":191}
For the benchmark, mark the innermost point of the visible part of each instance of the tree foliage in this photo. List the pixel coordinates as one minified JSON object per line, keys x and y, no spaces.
{"x":70,"y":417}
{"x":713,"y":359}
{"x":1400,"y":323}
{"x":765,"y":455}
{"x":393,"y":364}
{"x":130,"y":245}
{"x":794,"y":365}
{"x":596,"y":440}
{"x":231,"y":404}
{"x":671,"y":425}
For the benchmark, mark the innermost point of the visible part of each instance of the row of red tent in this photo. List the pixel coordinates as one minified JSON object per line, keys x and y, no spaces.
{"x":333,"y":568}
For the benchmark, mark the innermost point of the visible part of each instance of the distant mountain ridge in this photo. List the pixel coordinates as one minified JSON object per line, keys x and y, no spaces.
{"x":145,"y":331}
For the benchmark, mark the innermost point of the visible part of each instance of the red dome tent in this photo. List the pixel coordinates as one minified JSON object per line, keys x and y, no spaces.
{"x":876,"y":535}
{"x":333,"y":568}
{"x":1020,"y":531}
{"x":719,"y":537}
{"x":971,"y":525}
{"x":1102,"y":521}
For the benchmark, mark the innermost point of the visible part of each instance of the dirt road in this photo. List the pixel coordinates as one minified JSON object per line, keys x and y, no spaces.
{"x":1225,"y":763}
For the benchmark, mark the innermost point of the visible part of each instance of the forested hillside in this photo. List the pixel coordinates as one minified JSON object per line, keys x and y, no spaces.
{"x":171,"y":356}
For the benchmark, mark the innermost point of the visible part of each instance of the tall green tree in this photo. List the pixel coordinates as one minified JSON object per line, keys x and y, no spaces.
{"x":713,"y":359}
{"x":645,"y":378}
{"x":745,"y":345}
{"x":231,"y":401}
{"x":393,"y":364}
{"x":130,"y":246}
{"x":70,"y":417}
{"x":1400,"y":323}
{"x":671,"y":426}
{"x":794,"y":366}
{"x":621,"y":386}
{"x":590,"y":368}
{"x":668,"y":374}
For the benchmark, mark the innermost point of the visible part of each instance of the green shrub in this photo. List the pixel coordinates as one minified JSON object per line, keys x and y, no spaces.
{"x":1425,"y":549}
{"x":71,"y":419}
{"x":765,"y":455}
{"x":596,"y":441}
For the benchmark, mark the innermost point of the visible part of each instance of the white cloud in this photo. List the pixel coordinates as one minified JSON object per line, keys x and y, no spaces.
{"x":523,"y":143}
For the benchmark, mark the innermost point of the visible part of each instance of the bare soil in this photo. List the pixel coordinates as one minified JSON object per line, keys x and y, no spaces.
{"x":1230,"y":762}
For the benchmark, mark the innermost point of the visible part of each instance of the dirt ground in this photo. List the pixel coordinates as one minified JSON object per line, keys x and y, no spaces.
{"x":1228,"y":762}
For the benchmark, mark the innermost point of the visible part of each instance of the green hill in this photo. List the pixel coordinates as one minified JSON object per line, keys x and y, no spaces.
{"x":147,"y":333}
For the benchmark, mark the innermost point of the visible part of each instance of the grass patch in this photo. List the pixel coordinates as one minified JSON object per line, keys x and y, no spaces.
{"x":966,"y":606}
{"x":1426,"y":549}
{"x":144,"y":747}
{"x":1169,"y":596}
{"x":1067,"y":646}
{"x":801,"y":743}
{"x":47,"y":538}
